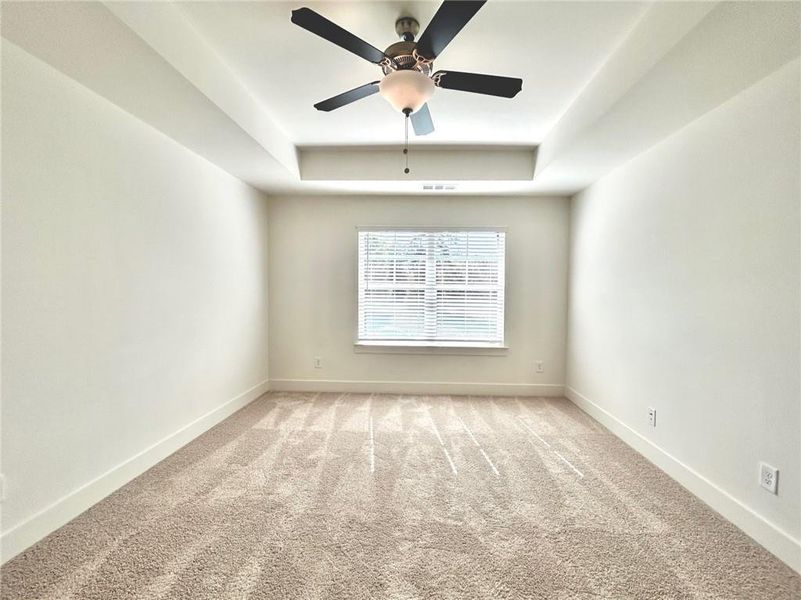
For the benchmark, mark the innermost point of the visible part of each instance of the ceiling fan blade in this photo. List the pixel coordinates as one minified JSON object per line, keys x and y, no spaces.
{"x":316,"y":23}
{"x":494,"y":85}
{"x":451,"y":16}
{"x":344,"y":98}
{"x":421,"y":121}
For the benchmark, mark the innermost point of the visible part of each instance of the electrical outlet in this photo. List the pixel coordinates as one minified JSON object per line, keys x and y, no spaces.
{"x":538,"y":366}
{"x":652,"y":416}
{"x":318,"y":362}
{"x":769,"y":477}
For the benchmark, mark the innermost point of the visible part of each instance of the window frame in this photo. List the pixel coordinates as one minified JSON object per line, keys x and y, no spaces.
{"x":432,"y":346}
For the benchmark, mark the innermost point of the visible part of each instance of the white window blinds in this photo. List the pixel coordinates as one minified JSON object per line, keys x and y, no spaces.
{"x":431,"y":286}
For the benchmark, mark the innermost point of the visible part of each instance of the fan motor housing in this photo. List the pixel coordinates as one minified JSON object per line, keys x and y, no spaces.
{"x":403,"y":55}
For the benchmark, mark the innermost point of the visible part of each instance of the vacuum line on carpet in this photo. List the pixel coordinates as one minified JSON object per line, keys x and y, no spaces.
{"x":441,"y":443}
{"x":372,"y":447}
{"x":532,"y":432}
{"x":475,"y":441}
{"x":569,"y":464}
{"x":564,"y":460}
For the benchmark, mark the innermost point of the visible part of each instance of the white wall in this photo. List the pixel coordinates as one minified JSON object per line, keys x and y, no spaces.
{"x":313,"y":295}
{"x":134,"y":297}
{"x":684,"y":296}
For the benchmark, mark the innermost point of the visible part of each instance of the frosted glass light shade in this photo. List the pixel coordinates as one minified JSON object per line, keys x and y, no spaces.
{"x":406,"y":89}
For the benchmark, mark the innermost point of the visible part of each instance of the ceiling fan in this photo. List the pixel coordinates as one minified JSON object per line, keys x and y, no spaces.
{"x":407,"y":65}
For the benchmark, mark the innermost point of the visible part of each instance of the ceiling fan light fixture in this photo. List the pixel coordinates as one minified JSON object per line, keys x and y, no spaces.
{"x":406,"y":90}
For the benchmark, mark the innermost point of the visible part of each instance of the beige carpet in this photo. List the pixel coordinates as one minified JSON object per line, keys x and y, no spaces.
{"x":348,"y":496}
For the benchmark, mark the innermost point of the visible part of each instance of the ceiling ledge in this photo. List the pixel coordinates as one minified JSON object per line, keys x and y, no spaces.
{"x":90,"y":44}
{"x":680,"y":61}
{"x":426,"y":163}
{"x":167,"y":30}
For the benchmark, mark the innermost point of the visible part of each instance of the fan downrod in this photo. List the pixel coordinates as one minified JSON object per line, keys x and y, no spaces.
{"x":407,"y":28}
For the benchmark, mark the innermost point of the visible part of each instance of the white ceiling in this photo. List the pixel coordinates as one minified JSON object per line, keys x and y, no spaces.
{"x":555,"y":47}
{"x":235,"y":82}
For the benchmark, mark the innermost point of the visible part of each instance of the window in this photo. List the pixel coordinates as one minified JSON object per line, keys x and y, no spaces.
{"x":431,"y":287}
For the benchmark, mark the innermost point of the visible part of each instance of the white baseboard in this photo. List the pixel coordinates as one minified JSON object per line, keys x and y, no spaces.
{"x":775,"y":540}
{"x":62,"y":511}
{"x":418,"y":387}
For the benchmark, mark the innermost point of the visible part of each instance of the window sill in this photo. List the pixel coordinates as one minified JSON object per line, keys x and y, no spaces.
{"x":457,"y":348}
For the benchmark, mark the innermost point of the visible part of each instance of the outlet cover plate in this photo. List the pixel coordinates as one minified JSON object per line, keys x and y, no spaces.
{"x":769,"y":477}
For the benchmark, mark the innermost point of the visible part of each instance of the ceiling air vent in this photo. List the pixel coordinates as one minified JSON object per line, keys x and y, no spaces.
{"x":439,"y":187}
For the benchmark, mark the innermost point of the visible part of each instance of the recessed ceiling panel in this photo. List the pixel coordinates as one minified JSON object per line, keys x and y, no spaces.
{"x":555,"y":47}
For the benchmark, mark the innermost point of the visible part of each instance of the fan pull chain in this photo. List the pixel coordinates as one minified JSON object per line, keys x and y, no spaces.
{"x":406,"y":142}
